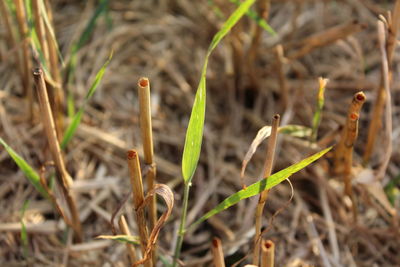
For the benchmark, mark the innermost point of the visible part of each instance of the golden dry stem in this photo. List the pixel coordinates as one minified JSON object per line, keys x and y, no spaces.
{"x":268,"y":164}
{"x":123,"y":226}
{"x":267,"y":253}
{"x":217,"y":252}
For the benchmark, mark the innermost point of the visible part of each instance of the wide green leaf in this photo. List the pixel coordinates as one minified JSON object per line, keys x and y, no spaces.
{"x":260,"y":186}
{"x":76,"y":120}
{"x":194,"y":133}
{"x":29,"y":172}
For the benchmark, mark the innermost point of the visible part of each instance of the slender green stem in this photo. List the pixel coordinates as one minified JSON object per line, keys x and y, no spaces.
{"x":182,"y":229}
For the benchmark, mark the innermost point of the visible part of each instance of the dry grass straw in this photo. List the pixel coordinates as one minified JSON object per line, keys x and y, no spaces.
{"x":323,"y":38}
{"x":217,"y":252}
{"x":268,"y":164}
{"x":138,"y":199}
{"x":123,"y":226}
{"x":147,"y":139}
{"x":263,"y":7}
{"x":26,"y":55}
{"x":386,"y":84}
{"x":343,"y":158}
{"x":280,"y":61}
{"x":50,"y":56}
{"x":65,"y":180}
{"x":267,"y":253}
{"x":148,"y":150}
{"x":393,"y":25}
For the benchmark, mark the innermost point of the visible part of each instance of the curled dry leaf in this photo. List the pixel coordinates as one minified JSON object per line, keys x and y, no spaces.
{"x":293,"y":130}
{"x":166,"y":193}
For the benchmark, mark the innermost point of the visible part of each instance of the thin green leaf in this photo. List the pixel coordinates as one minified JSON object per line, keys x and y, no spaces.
{"x":260,"y":186}
{"x":318,"y":112}
{"x":24,"y":234}
{"x":76,"y":120}
{"x":134,"y":240}
{"x":29,"y":172}
{"x":102,"y":7}
{"x":295,"y":130}
{"x":259,"y":20}
{"x":230,"y":22}
{"x":194,"y":133}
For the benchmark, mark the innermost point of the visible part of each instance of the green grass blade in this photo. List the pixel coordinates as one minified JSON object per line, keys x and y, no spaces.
{"x":295,"y":130}
{"x":194,"y":133}
{"x":259,"y":20}
{"x":29,"y":172}
{"x":101,"y":8}
{"x":318,"y":112}
{"x":76,"y":120}
{"x":260,"y":186}
{"x":134,"y":240}
{"x":230,"y":22}
{"x":24,"y":233}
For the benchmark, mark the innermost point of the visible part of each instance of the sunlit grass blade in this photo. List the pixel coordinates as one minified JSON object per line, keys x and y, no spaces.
{"x":134,"y":240}
{"x":258,"y":187}
{"x":320,"y":105}
{"x":29,"y":172}
{"x":259,"y":20}
{"x":69,"y":133}
{"x":194,"y":133}
{"x":24,"y":233}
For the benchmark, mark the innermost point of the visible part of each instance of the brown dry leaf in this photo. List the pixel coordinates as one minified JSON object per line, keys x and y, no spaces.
{"x":262,"y":134}
{"x":166,"y":193}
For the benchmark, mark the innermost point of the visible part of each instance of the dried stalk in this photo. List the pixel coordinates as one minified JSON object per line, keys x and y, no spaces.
{"x":343,"y":158}
{"x":267,"y":253}
{"x":217,"y":252}
{"x":269,"y":161}
{"x":147,"y":139}
{"x":323,"y":38}
{"x":39,"y":28}
{"x":388,"y":113}
{"x":263,"y":12}
{"x":138,"y":199}
{"x":377,"y":111}
{"x":64,"y":179}
{"x":123,"y":226}
{"x":281,"y":74}
{"x":26,"y":57}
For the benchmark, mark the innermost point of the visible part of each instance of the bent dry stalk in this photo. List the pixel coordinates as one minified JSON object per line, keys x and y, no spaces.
{"x":64,"y":179}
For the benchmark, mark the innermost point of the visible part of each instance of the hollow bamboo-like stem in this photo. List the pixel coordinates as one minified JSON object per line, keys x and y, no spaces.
{"x":123,"y":226}
{"x":267,"y":253}
{"x":138,"y":199}
{"x":65,"y":179}
{"x":348,"y":134}
{"x":217,"y":252}
{"x":147,"y":139}
{"x":343,"y":157}
{"x":26,"y":57}
{"x":269,"y":161}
